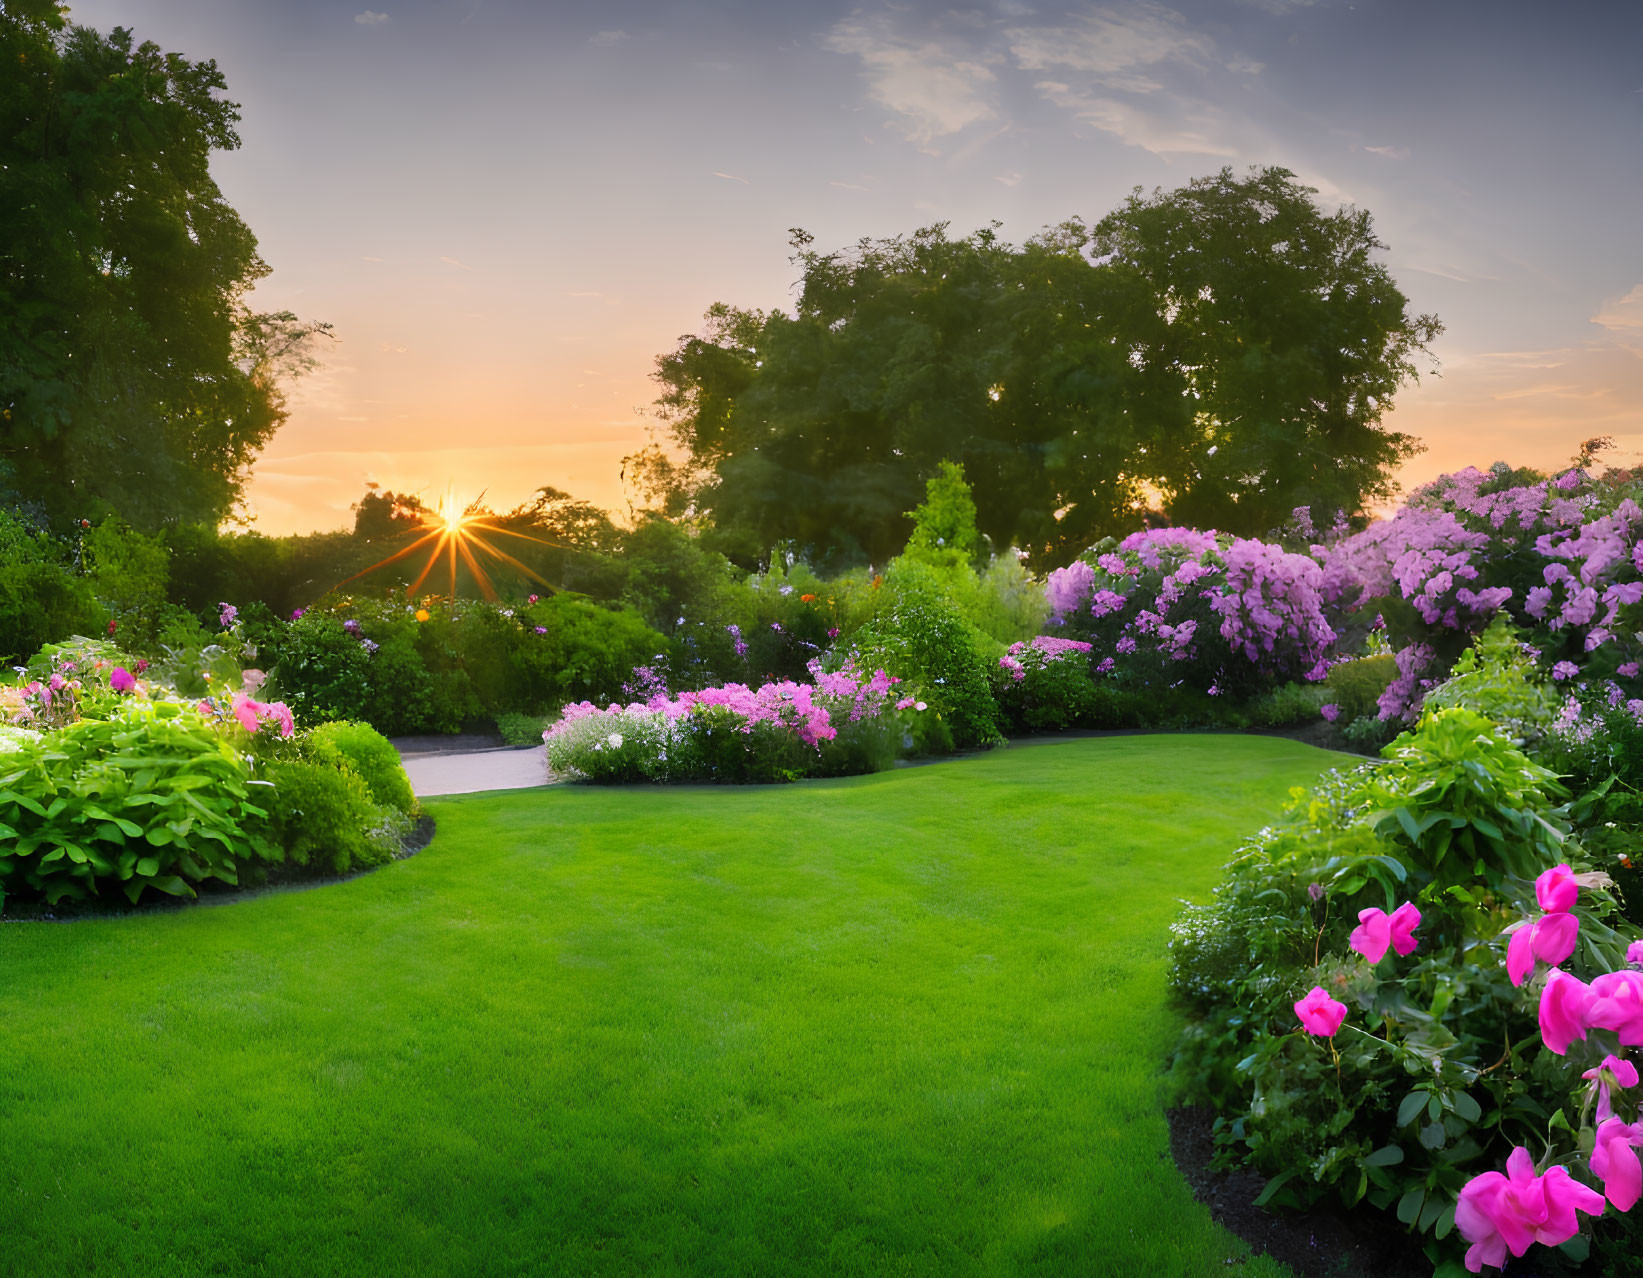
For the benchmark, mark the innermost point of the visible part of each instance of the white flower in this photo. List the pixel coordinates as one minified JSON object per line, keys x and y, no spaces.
{"x":919,"y":705}
{"x":615,"y":740}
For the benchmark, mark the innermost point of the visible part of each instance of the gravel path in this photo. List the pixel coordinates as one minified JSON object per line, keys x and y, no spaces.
{"x":445,"y":772}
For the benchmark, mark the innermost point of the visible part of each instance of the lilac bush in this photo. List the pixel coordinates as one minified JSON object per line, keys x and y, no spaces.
{"x":1176,"y":605}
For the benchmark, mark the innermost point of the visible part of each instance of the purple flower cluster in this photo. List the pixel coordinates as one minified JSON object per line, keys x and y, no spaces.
{"x":1180,"y":595}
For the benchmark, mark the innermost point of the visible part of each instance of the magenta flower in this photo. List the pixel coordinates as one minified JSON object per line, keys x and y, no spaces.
{"x":1331,"y":712}
{"x":228,"y":615}
{"x":1614,"y":1161}
{"x":1615,"y":1071}
{"x":1377,"y":929}
{"x":1565,"y":1005}
{"x":1551,"y":939}
{"x":122,"y":680}
{"x":296,"y":613}
{"x":1634,"y":952}
{"x":1497,"y":1213}
{"x":1556,"y":890}
{"x":1565,"y":670}
{"x":833,"y":632}
{"x":1617,"y":1004}
{"x":1319,"y":1014}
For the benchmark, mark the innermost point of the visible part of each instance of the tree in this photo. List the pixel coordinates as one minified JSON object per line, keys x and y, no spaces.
{"x":132,"y":374}
{"x":1224,"y":351}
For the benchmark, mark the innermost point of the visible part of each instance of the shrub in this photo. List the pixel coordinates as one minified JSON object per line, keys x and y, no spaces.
{"x":1287,"y":705}
{"x":1046,"y":686}
{"x":41,"y":600}
{"x":323,"y":815}
{"x":361,"y":747}
{"x":1497,"y":677}
{"x":520,"y":729}
{"x":1356,"y":686}
{"x":571,"y":649}
{"x":151,"y":797}
{"x":927,"y":640}
{"x":1436,"y":1073}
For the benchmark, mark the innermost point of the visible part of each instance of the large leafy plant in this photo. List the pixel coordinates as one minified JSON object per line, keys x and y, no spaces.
{"x":1430,"y":1072}
{"x":153,"y":797}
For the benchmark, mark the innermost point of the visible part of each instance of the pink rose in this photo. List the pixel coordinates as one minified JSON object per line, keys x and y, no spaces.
{"x":1319,"y":1014}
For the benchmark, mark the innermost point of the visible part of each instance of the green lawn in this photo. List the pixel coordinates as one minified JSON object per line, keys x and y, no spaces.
{"x":903,"y":1024}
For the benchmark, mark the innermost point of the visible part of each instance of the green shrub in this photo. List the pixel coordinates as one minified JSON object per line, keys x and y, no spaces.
{"x":1356,"y":686}
{"x":1037,"y":692}
{"x":324,"y":817}
{"x":152,"y":797}
{"x":566,"y":648}
{"x":41,"y":599}
{"x":923,"y":638}
{"x":1438,"y":1071}
{"x":1497,"y":678}
{"x":521,"y":729}
{"x":1287,"y":705}
{"x":129,"y":573}
{"x":361,"y":747}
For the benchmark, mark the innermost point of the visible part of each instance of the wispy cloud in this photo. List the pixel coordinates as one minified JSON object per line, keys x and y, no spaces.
{"x":451,"y":261}
{"x":370,"y":18}
{"x":370,"y":259}
{"x":849,"y":186}
{"x":1623,"y":318}
{"x":731,"y":177}
{"x":935,"y":86}
{"x":1007,"y":179}
{"x":1191,"y":131}
{"x":1122,"y":48}
{"x":605,"y":39}
{"x":1389,"y":152}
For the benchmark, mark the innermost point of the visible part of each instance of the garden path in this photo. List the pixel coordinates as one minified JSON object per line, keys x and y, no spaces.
{"x":441,"y":772}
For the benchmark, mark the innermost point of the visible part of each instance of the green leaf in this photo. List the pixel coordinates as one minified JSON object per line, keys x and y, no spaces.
{"x":1272,"y":1187}
{"x":1409,"y":1206}
{"x":1467,"y":1108}
{"x":1385,"y":1156}
{"x":1433,"y":1136}
{"x":1411,"y":1108}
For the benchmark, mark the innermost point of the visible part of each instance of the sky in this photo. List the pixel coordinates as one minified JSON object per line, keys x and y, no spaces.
{"x":508,"y":210}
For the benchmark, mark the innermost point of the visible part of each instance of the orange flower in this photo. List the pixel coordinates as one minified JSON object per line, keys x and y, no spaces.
{"x":807,"y":598}
{"x":422,"y":614}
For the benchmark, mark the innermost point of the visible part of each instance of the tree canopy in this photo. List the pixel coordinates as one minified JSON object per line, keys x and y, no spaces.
{"x":1223,"y":353}
{"x":132,"y":374}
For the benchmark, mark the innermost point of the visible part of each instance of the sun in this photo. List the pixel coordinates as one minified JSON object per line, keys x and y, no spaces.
{"x":453,"y":529}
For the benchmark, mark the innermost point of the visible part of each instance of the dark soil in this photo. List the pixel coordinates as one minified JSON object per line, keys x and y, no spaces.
{"x":1319,"y":1244}
{"x":281,"y":878}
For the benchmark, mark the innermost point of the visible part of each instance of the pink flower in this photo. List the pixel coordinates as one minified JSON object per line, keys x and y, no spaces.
{"x":1627,"y":670}
{"x":531,"y":599}
{"x":1615,"y":1071}
{"x":1551,"y":939}
{"x":1497,"y":1213}
{"x":1614,"y":1161}
{"x":1634,"y":952}
{"x":1564,"y":1006}
{"x":122,"y":680}
{"x":1565,"y":670}
{"x":1617,"y":1004}
{"x":1330,"y":712}
{"x":1377,"y":929}
{"x":1556,"y":890}
{"x":833,"y":632}
{"x":1319,"y":1014}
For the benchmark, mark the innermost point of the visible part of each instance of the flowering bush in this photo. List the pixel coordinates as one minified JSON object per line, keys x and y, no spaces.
{"x":1398,"y":935}
{"x":1045,"y":685}
{"x":116,"y":776}
{"x":841,"y":722}
{"x":1170,"y":606}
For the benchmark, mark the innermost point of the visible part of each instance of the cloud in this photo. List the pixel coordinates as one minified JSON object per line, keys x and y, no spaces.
{"x":370,"y":259}
{"x":1390,"y":152}
{"x":1008,"y":179}
{"x":731,"y":177}
{"x":451,"y":261}
{"x":1197,"y":130}
{"x":849,"y":186}
{"x":370,"y":18}
{"x":935,"y":87}
{"x":1117,"y":47}
{"x":605,"y":39}
{"x":1623,"y":318}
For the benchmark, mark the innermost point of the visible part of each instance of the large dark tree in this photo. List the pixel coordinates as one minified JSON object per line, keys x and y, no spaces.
{"x":132,"y":376}
{"x":1224,"y":351}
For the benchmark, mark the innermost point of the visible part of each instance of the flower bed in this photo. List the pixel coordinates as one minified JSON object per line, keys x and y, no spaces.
{"x":125,"y":775}
{"x":841,"y":722}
